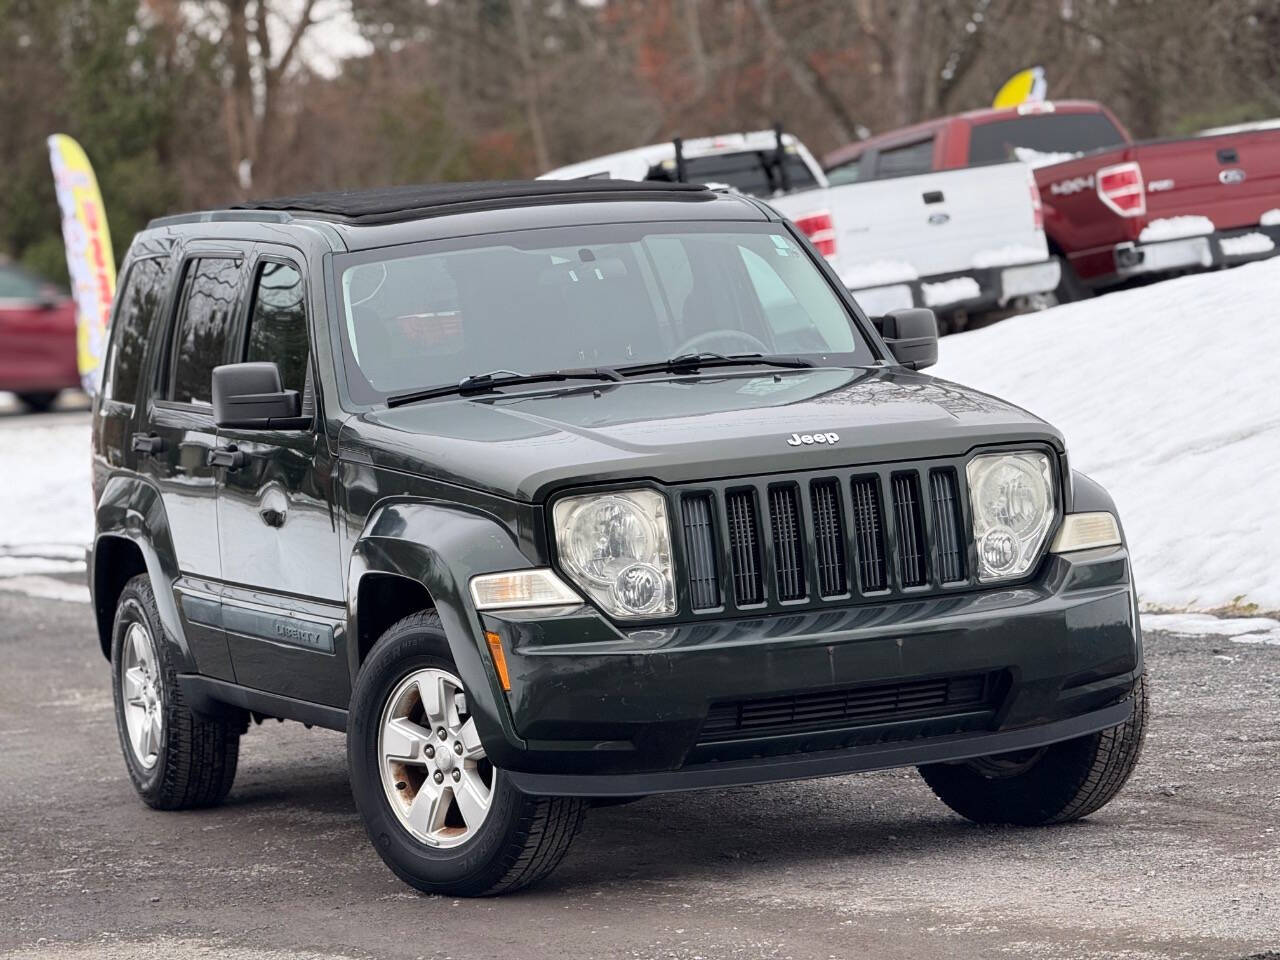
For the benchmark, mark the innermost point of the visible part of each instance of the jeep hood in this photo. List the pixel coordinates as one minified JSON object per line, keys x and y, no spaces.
{"x":524,"y":445}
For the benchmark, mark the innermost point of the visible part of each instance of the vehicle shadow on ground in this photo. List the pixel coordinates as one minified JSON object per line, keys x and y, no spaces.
{"x":729,"y":835}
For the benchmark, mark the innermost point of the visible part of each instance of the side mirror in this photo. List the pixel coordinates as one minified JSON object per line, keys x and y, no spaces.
{"x":248,"y":396}
{"x":911,"y":336}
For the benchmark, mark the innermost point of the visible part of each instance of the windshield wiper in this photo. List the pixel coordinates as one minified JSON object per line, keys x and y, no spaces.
{"x":487,"y":382}
{"x":690,"y":362}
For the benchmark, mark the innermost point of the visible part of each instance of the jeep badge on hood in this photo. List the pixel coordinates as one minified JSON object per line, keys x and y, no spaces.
{"x":800,"y":439}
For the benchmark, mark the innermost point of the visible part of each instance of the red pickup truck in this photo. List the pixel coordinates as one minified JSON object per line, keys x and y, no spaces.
{"x":1113,"y":209}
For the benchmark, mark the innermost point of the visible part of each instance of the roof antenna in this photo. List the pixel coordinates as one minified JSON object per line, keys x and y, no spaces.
{"x":784,"y":174}
{"x":678,"y":143}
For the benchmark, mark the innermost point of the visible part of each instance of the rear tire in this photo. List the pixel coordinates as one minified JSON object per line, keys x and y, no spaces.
{"x":176,"y":758}
{"x":516,"y":841}
{"x":39,"y":402}
{"x":1070,"y":287}
{"x":1054,"y":784}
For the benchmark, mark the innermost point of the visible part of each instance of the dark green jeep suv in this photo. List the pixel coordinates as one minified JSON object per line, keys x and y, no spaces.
{"x":556,"y":493}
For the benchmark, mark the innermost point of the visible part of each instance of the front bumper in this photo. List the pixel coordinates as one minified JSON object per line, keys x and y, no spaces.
{"x":973,"y":290}
{"x":603,"y":712}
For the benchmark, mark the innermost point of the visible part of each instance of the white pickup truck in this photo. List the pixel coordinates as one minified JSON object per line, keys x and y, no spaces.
{"x":959,"y":241}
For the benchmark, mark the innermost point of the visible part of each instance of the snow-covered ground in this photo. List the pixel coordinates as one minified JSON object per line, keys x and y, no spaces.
{"x":1169,"y":396}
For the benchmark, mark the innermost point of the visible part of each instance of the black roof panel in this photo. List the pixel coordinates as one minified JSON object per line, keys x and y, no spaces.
{"x":391,"y":204}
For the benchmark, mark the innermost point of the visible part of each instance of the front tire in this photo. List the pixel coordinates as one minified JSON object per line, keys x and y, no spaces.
{"x":176,"y":758}
{"x":440,"y":815}
{"x":1054,"y":784}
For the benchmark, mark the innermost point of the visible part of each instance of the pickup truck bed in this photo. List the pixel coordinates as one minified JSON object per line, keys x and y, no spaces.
{"x":1185,"y":204}
{"x":955,"y":240}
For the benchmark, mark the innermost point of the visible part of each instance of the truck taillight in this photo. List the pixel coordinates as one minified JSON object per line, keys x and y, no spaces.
{"x":820,"y":228}
{"x":1120,"y":188}
{"x":1037,"y":208}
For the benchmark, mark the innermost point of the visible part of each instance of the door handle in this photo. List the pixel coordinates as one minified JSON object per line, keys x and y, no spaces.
{"x":932,"y":196}
{"x":227,"y":456}
{"x":147,"y":443}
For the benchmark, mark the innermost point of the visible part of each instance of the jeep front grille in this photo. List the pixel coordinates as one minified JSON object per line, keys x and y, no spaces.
{"x":804,"y":540}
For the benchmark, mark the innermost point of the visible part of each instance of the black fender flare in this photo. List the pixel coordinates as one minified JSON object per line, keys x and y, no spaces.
{"x":442,"y":547}
{"x":131,"y":509}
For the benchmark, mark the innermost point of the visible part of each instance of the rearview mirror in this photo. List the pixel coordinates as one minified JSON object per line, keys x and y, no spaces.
{"x":911,"y":336}
{"x":249,"y":396}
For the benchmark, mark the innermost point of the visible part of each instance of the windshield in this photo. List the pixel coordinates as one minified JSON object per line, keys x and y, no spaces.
{"x":557,"y":298}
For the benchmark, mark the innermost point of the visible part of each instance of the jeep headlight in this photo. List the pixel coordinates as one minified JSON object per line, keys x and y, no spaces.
{"x":617,"y":547}
{"x":1013,"y":508}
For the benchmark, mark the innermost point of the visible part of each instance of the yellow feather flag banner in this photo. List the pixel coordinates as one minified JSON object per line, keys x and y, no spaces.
{"x":89,"y":258}
{"x":1026,"y":86}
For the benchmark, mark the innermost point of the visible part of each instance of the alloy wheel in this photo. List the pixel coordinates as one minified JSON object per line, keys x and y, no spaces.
{"x":140,"y":684}
{"x":434,"y":771}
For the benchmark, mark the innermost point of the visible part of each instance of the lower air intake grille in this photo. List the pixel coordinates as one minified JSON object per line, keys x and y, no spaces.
{"x":744,"y":544}
{"x":858,"y":706}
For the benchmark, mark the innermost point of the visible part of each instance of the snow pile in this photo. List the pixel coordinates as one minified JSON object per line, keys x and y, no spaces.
{"x":1009,"y":255}
{"x":1167,"y":396}
{"x":46,"y":518}
{"x":1239,"y":629}
{"x":1247,"y":244}
{"x":946,"y":292}
{"x":878,"y":273}
{"x":1270,"y":218}
{"x":1042,"y":158}
{"x":1175,"y":228}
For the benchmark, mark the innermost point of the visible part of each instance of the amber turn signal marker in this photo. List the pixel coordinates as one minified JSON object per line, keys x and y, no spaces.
{"x":499,"y":659}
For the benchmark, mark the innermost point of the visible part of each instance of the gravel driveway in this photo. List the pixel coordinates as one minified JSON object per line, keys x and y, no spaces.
{"x":1186,"y":863}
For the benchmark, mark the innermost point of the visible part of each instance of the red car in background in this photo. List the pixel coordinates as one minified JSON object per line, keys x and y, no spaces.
{"x":37,"y":338}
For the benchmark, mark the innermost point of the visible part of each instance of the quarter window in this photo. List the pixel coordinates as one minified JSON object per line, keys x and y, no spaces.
{"x":139,"y":304}
{"x":278,"y":323}
{"x":209,"y":294}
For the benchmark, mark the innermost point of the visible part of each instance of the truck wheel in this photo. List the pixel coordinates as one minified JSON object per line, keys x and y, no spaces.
{"x":176,"y":758}
{"x":439,"y":813}
{"x":1070,"y":287}
{"x":1054,"y":784}
{"x":38,"y":402}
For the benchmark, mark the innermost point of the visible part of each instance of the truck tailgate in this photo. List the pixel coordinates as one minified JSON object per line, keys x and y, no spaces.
{"x":1230,"y":178}
{"x":944,"y":222}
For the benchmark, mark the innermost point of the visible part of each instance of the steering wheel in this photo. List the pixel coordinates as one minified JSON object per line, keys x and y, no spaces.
{"x":695,"y":343}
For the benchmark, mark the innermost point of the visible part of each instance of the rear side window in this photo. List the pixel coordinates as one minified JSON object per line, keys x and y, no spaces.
{"x":140,"y":298}
{"x":905,"y":161}
{"x":846,"y":172}
{"x":753,"y":171}
{"x":278,"y":322}
{"x":1023,"y":138}
{"x":209,"y":294}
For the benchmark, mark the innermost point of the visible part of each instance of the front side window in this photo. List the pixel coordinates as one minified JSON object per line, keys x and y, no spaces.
{"x":209,"y":292}
{"x":139,"y":303}
{"x":847,"y":172}
{"x":558,"y":298}
{"x":278,"y":323}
